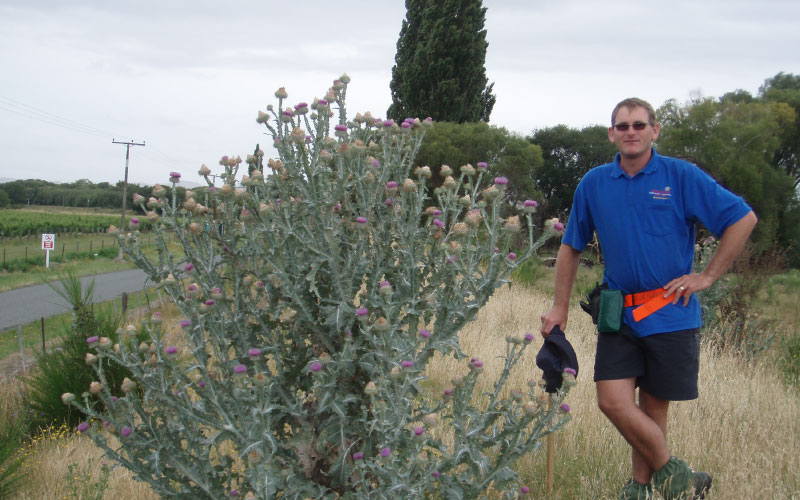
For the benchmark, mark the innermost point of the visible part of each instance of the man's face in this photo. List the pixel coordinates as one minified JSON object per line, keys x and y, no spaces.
{"x":633,"y":143}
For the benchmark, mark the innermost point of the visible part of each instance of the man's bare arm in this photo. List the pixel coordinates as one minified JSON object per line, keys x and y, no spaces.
{"x":566,"y":270}
{"x":730,"y":246}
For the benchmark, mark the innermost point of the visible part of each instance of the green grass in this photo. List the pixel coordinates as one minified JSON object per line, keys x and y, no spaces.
{"x":55,"y":327}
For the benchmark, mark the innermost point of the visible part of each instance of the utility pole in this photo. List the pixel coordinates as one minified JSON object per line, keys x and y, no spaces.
{"x":125,"y":183}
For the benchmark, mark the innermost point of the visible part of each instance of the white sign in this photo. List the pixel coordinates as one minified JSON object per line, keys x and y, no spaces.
{"x":48,"y":241}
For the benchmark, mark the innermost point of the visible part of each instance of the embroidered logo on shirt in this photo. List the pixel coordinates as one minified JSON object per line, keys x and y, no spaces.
{"x":661,"y":194}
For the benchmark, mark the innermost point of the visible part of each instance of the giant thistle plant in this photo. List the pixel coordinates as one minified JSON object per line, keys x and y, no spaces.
{"x":314,"y":300}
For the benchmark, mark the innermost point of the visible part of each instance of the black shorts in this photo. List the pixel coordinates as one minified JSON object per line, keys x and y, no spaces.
{"x":665,"y":365}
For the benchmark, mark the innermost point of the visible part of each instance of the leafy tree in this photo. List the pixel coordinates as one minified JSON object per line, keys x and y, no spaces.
{"x":439,"y":70}
{"x":735,"y":142}
{"x":5,"y":201}
{"x":507,"y":155}
{"x":785,"y":88}
{"x":568,"y":154}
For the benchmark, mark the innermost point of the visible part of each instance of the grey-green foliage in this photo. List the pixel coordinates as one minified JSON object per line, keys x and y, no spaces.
{"x":317,"y":298}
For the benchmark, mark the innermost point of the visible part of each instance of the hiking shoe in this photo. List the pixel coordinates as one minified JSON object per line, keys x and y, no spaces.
{"x":676,"y":480}
{"x":702,"y":483}
{"x":634,"y":490}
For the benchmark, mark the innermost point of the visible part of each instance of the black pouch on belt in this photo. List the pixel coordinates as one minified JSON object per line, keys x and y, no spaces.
{"x":592,"y":304}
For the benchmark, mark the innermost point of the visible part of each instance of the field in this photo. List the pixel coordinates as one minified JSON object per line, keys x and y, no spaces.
{"x":744,"y":429}
{"x":16,"y":223}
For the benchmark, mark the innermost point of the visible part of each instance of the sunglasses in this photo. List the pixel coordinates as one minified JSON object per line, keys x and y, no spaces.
{"x":623,"y":127}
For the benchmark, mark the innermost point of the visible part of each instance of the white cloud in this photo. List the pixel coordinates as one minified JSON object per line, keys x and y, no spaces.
{"x":189,"y":77}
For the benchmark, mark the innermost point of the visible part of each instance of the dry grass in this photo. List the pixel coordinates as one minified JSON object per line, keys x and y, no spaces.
{"x":744,"y":429}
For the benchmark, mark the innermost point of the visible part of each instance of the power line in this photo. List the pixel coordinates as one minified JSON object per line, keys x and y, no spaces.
{"x":22,"y":109}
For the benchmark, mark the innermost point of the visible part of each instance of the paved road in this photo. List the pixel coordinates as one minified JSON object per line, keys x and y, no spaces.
{"x":25,"y":305}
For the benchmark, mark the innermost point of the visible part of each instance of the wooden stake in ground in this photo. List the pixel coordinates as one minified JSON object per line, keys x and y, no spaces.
{"x":551,"y":454}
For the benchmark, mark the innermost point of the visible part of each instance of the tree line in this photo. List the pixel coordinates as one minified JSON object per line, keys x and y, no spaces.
{"x":81,"y":193}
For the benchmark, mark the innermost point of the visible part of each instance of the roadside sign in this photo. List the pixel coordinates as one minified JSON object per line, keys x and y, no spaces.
{"x":48,"y":243}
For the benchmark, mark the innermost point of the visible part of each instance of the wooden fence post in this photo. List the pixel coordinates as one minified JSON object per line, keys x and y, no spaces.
{"x":124,"y":304}
{"x":44,"y":346}
{"x":21,"y":348}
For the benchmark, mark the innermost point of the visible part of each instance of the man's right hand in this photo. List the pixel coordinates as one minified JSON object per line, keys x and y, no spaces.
{"x":556,"y":316}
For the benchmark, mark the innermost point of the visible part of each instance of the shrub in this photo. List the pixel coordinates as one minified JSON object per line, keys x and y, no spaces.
{"x":314,"y":300}
{"x":12,"y":432}
{"x":729,"y":317}
{"x":65,"y":369}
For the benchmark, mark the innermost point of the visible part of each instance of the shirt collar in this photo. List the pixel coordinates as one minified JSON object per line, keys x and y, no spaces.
{"x":651,"y":166}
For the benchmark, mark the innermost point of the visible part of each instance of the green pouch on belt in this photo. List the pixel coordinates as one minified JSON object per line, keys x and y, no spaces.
{"x":609,"y":319}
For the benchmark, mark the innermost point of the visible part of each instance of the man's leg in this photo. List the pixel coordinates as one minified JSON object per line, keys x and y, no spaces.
{"x":616,"y":399}
{"x":656,"y":409}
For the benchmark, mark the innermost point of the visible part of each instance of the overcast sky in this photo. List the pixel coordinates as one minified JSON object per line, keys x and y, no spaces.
{"x":188,"y":77}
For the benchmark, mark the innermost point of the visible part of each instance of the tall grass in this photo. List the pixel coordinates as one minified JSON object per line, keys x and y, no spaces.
{"x":744,"y":429}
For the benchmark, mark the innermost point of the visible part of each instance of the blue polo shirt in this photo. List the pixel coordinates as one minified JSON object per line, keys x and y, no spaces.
{"x":645,"y":225}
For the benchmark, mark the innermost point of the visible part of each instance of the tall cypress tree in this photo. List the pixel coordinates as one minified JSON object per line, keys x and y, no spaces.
{"x":440,"y":63}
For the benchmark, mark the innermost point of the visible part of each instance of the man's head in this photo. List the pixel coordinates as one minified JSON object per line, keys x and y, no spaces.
{"x":634,"y":102}
{"x":633,"y":129}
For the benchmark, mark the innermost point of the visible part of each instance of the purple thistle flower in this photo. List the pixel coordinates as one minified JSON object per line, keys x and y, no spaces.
{"x":389,"y":202}
{"x":435,"y":473}
{"x":391,"y":186}
{"x":385,"y":452}
{"x":407,"y":364}
{"x":501,"y":181}
{"x":424,"y":333}
{"x":512,"y":256}
{"x":210,"y":302}
{"x":438,"y":223}
{"x":240,"y":369}
{"x":452,"y":259}
{"x":571,"y":371}
{"x":186,"y":323}
{"x":565,"y":408}
{"x":530,"y":203}
{"x":174,"y":175}
{"x":483,"y":165}
{"x":558,"y":226}
{"x":358,"y":455}
{"x":437,"y":212}
{"x":171,"y":351}
{"x":340,"y":128}
{"x":419,"y":430}
{"x":316,"y":366}
{"x":405,"y":125}
{"x":388,"y":123}
{"x":126,"y":431}
{"x":528,"y":338}
{"x":322,"y":102}
{"x":361,"y":220}
{"x":362,"y":311}
{"x":134,"y":221}
{"x":376,"y":163}
{"x":201,"y":383}
{"x":448,"y":392}
{"x":524,"y":490}
{"x":92,"y":340}
{"x":254,"y":353}
{"x":188,"y":267}
{"x":234,"y":493}
{"x":496,"y":250}
{"x":106,"y":423}
{"x":83,"y":426}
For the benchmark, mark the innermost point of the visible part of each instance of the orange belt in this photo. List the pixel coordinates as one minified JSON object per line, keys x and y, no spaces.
{"x":648,"y":302}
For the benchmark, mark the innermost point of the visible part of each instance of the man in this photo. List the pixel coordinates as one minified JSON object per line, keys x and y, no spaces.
{"x":643,"y":207}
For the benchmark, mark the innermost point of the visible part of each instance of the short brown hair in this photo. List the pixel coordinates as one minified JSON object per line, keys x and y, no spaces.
{"x":634,"y":102}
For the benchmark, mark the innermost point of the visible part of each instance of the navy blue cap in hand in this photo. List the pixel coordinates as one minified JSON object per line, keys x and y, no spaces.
{"x":556,"y":355}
